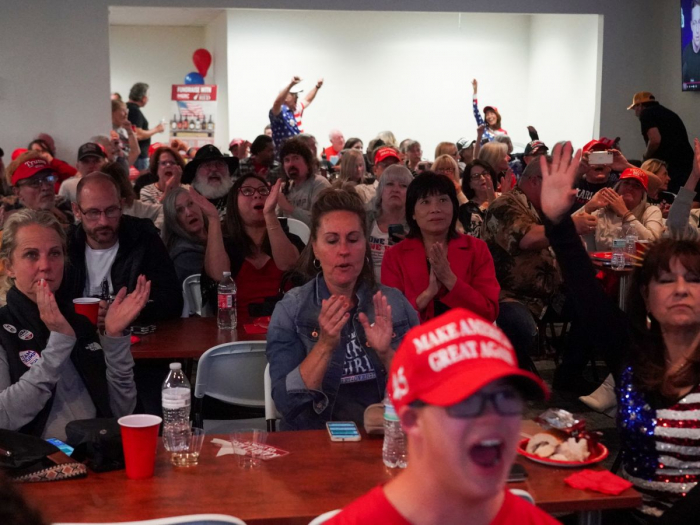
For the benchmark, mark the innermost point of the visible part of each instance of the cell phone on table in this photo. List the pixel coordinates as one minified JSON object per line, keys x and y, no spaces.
{"x":60,"y":445}
{"x":517,"y":473}
{"x":143,"y":329}
{"x":343,"y":431}
{"x":395,"y":229}
{"x":597,"y":158}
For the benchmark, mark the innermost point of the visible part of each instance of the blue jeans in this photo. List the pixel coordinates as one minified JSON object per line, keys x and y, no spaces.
{"x":142,"y":163}
{"x":516,"y":321}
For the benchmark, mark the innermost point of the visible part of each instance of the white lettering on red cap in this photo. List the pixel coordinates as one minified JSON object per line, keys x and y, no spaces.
{"x":34,"y":163}
{"x":400,"y":384}
{"x":449,"y":332}
{"x":492,"y":350}
{"x":444,"y":357}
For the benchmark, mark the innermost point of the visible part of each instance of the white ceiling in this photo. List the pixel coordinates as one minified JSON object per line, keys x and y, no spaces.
{"x":161,"y":16}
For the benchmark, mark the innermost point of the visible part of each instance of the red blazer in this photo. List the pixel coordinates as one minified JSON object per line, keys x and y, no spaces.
{"x":405,"y":267}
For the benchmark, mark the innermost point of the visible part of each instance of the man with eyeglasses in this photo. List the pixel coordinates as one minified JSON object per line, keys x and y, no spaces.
{"x":210,"y":173}
{"x":91,"y":157}
{"x":459,"y":395}
{"x":33,"y":183}
{"x":112,"y":248}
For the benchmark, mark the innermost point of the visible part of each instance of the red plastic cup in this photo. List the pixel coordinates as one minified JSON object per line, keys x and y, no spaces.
{"x":87,"y":306}
{"x":139,"y":439}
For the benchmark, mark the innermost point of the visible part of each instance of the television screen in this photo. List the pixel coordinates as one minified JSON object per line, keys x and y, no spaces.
{"x":690,"y":44}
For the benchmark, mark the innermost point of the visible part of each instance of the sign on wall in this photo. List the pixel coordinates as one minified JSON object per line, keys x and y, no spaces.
{"x":194,"y":109}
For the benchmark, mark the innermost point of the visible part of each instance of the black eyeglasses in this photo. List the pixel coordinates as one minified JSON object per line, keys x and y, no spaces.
{"x":249,"y":191}
{"x":505,"y":402}
{"x":35,"y":184}
{"x":94,"y":214}
{"x":477,"y":176}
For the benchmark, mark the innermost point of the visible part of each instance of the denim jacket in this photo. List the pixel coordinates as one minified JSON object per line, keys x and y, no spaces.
{"x":294,"y":331}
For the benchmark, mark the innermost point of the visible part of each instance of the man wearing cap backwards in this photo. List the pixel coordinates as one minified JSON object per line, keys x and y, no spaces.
{"x":665,"y":136}
{"x":285,"y":115}
{"x":304,"y":186}
{"x":459,"y":395}
{"x":91,"y":157}
{"x":210,"y":174}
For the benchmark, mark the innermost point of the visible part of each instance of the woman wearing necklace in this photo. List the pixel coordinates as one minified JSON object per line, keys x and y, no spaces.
{"x":653,"y":350}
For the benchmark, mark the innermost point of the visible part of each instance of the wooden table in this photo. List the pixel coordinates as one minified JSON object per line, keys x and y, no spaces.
{"x":187,"y":338}
{"x":317,"y":476}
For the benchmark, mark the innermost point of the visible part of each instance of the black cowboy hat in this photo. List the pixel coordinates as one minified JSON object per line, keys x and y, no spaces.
{"x":205,"y":154}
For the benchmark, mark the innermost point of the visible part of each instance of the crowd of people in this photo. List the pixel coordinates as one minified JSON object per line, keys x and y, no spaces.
{"x":397,"y":244}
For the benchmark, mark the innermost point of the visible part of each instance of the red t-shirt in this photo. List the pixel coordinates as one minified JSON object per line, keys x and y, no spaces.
{"x":254,"y":285}
{"x":330,"y":152}
{"x":374,"y":507}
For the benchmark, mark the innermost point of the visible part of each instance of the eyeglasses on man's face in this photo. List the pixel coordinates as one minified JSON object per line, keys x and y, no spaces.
{"x":35,"y":184}
{"x":94,"y":214}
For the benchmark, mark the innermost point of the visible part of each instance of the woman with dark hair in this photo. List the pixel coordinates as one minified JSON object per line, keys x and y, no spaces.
{"x":132,"y":205}
{"x":492,"y":126}
{"x":477,"y":185}
{"x":353,"y":143}
{"x":166,"y":164}
{"x":331,"y":341}
{"x":653,"y":350}
{"x":435,"y":267}
{"x":185,"y":232}
{"x":255,"y":247}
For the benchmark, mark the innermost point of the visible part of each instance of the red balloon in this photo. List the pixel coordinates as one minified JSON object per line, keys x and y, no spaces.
{"x":202,"y":61}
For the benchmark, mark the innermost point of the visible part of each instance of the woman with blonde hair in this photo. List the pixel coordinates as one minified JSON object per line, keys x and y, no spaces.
{"x":446,"y":165}
{"x":447,"y":148}
{"x":658,"y":185}
{"x":352,"y":171}
{"x":495,"y":154}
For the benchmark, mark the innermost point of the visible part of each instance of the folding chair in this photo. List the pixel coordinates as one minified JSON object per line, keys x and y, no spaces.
{"x":192,"y":293}
{"x":299,"y":229}
{"x":193,"y":519}
{"x":232,"y":373}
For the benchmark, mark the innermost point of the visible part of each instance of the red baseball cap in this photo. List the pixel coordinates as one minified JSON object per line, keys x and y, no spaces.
{"x":29,"y":168}
{"x":637,"y":174}
{"x":491,"y":108}
{"x":153,"y":147}
{"x":235,"y":142}
{"x":385,"y":153}
{"x":446,"y":360}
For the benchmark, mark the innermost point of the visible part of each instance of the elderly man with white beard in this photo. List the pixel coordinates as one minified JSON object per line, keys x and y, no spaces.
{"x":210,"y":174}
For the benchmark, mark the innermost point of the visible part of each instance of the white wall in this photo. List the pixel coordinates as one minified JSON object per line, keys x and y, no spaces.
{"x":408,"y":72}
{"x":216,"y":36}
{"x":563,"y":78}
{"x":54,"y":58}
{"x":160,"y":56}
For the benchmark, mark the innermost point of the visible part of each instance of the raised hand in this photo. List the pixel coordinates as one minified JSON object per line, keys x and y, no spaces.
{"x":475,"y":85}
{"x":126,"y":308}
{"x":598,"y":201}
{"x":379,"y":332}
{"x":295,"y":81}
{"x":508,"y":182}
{"x":49,"y":313}
{"x":319,"y":84}
{"x":334,"y":314}
{"x":270,"y":208}
{"x":207,"y":207}
{"x":174,"y":181}
{"x":619,"y":162}
{"x":558,"y":180}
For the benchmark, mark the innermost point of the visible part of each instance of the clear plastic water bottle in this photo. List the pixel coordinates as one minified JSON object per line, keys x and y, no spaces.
{"x":176,"y":408}
{"x":227,"y":303}
{"x":631,"y":243}
{"x":394,"y":449}
{"x":617,"y":262}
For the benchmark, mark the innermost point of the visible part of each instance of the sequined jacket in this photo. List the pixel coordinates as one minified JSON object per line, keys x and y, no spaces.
{"x":660,"y":442}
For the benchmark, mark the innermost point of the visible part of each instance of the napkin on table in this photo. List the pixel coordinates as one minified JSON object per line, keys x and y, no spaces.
{"x":598,"y":480}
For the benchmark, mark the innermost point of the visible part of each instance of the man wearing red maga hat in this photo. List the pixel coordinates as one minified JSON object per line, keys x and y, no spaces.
{"x":458,"y":391}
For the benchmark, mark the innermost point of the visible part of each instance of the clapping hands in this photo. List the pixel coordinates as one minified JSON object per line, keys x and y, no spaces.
{"x":126,"y":308}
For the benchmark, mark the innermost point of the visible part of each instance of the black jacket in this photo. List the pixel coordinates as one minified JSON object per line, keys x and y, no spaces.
{"x":141,"y":251}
